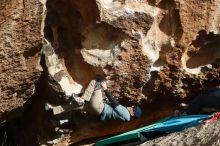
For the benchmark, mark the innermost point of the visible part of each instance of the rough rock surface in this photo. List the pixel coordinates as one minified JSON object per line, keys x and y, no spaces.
{"x":158,"y":52}
{"x":20,"y":45}
{"x":144,"y":45}
{"x":207,"y":134}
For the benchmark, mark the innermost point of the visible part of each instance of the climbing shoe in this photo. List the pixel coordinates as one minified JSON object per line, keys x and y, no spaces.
{"x":80,"y":101}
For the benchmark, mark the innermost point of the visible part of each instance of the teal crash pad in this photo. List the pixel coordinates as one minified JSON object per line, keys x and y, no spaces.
{"x":166,"y":125}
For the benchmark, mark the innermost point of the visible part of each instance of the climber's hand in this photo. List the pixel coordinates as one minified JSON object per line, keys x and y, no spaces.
{"x":104,"y":85}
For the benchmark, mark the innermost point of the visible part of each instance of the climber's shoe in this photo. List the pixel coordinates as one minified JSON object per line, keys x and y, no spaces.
{"x":80,"y":101}
{"x":48,"y":106}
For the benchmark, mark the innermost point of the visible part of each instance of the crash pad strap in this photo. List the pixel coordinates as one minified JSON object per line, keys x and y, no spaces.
{"x":213,"y":118}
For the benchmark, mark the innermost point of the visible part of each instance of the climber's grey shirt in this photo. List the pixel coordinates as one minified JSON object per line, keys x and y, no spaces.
{"x":118,"y":113}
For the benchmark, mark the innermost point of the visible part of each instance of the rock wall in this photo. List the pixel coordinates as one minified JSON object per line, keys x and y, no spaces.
{"x":20,"y":44}
{"x":157,"y":52}
{"x":144,"y":45}
{"x":204,"y":134}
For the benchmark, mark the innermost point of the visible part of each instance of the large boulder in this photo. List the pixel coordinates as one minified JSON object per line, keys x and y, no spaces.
{"x":156,"y":52}
{"x":141,"y":47}
{"x":204,"y":134}
{"x":21,"y":25}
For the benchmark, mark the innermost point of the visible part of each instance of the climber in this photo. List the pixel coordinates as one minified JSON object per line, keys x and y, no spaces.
{"x":208,"y":101}
{"x":93,"y":103}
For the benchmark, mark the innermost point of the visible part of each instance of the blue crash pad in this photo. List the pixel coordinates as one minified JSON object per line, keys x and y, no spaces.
{"x":167,"y":125}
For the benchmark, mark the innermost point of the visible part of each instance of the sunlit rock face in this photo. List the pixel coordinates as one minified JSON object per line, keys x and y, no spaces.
{"x":157,"y":52}
{"x":20,"y":45}
{"x":140,"y":46}
{"x":153,"y":51}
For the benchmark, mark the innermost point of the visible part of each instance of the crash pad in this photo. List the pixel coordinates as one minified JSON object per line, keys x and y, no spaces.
{"x":166,"y":125}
